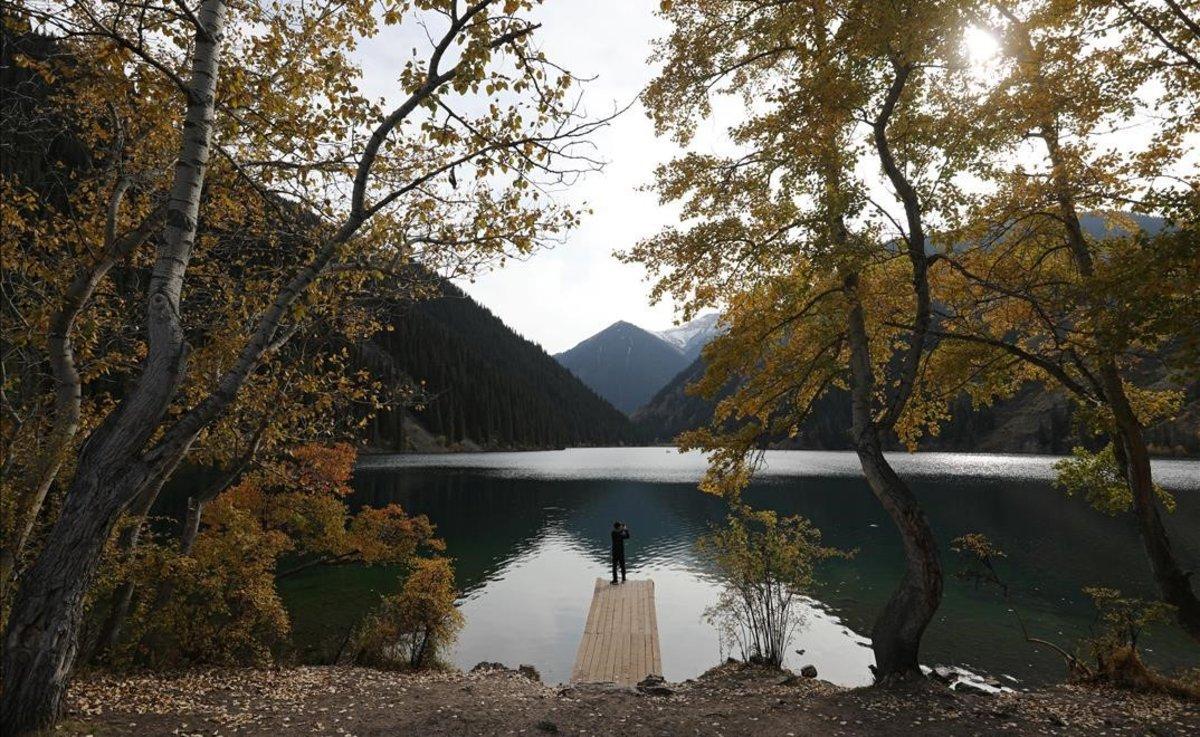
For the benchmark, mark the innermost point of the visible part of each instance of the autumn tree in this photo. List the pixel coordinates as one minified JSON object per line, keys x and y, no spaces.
{"x":88,"y":163}
{"x":456,"y":173}
{"x":81,"y":162}
{"x":211,"y":596}
{"x":1055,"y":280}
{"x":765,"y":565}
{"x":816,"y":236}
{"x":413,"y":627}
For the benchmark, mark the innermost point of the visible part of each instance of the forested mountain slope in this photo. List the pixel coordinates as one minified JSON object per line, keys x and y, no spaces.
{"x":1032,"y":421}
{"x":485,"y":385}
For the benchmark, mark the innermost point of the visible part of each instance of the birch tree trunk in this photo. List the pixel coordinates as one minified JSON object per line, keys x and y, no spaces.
{"x":41,"y":641}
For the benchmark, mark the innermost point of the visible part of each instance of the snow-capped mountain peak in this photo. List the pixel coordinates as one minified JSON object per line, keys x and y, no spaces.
{"x":693,"y":335}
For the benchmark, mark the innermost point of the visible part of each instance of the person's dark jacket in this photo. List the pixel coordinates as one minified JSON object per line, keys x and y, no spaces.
{"x":618,"y":540}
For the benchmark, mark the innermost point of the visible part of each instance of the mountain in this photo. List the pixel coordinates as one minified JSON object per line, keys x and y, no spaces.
{"x":487,"y":387}
{"x":624,"y":364}
{"x":1031,"y":421}
{"x":691,"y":337}
{"x":673,"y":410}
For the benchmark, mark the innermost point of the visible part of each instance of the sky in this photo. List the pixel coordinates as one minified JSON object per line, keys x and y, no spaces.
{"x":560,"y":296}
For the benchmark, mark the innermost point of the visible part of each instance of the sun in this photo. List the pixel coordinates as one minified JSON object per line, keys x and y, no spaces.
{"x":979,"y":47}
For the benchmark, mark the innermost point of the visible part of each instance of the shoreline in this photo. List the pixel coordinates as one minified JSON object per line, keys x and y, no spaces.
{"x":729,"y":700}
{"x":373,"y":451}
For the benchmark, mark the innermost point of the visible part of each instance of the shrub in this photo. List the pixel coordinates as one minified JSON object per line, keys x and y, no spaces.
{"x":223,"y":607}
{"x":219,"y":603}
{"x":1098,"y":479}
{"x":1111,"y":654}
{"x":1120,"y":622}
{"x":414,"y":627}
{"x":303,"y":495}
{"x":765,"y":564}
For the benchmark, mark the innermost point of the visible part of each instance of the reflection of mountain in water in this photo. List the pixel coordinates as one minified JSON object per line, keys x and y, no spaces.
{"x":490,"y":520}
{"x":494,"y":520}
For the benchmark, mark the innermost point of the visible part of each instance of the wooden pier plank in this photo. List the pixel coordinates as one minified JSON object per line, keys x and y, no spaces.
{"x":620,"y":636}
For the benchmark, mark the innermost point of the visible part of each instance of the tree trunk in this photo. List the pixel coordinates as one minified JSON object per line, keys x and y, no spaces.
{"x":42,"y":637}
{"x":896,"y":634}
{"x":41,"y":641}
{"x":191,"y":524}
{"x":43,"y":629}
{"x":1174,"y":584}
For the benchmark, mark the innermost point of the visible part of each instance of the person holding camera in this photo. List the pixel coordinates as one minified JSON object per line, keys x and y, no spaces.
{"x":620,"y":533}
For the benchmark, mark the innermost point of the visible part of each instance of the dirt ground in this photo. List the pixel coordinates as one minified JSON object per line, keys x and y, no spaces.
{"x":730,"y":700}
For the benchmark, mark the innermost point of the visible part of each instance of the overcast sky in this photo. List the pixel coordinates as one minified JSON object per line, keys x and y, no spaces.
{"x":561,"y":296}
{"x":558,"y":297}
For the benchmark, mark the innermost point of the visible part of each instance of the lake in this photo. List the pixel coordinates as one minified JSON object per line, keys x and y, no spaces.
{"x":529,"y":535}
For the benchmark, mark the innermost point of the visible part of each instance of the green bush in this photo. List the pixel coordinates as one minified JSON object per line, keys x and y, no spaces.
{"x":413,"y":628}
{"x":765,"y":565}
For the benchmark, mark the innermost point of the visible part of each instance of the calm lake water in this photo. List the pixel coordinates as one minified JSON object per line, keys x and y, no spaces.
{"x":529,"y":535}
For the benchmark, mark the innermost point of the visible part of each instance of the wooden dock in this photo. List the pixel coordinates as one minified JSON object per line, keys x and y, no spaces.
{"x":620,"y":639}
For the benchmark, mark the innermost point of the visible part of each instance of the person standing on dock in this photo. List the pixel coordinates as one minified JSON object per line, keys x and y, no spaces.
{"x":620,"y":533}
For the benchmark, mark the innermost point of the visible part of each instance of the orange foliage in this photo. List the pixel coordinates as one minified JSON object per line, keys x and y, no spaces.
{"x":220,"y":604}
{"x":223,"y":607}
{"x":412,"y":628}
{"x":303,"y":495}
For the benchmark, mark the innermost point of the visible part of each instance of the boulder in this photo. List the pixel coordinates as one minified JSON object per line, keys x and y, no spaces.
{"x":488,"y":666}
{"x":654,"y":685}
{"x":968,"y":687}
{"x":529,"y":672}
{"x":809,"y":671}
{"x":944,"y":674}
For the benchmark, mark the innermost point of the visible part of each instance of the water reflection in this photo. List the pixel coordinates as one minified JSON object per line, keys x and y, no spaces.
{"x":529,"y":534}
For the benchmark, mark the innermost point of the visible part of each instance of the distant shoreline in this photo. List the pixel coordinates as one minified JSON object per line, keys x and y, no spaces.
{"x":368,"y":450}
